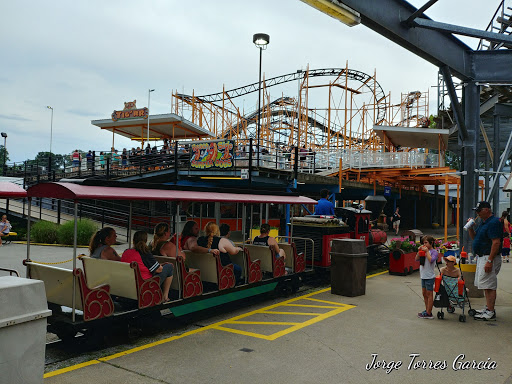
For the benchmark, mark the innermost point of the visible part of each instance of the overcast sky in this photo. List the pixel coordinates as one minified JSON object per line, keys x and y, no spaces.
{"x":85,"y":58}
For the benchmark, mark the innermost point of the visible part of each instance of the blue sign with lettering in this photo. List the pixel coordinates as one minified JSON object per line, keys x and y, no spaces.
{"x":387,"y":191}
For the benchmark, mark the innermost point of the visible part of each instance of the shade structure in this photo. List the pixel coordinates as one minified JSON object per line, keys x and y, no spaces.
{"x":167,"y":125}
{"x":73,"y":191}
{"x":11,"y":191}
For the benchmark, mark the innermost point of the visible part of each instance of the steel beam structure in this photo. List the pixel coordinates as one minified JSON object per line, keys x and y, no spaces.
{"x":389,"y":18}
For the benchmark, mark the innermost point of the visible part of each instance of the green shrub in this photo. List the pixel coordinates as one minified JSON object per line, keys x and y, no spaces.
{"x":44,"y":232}
{"x":85,"y":230}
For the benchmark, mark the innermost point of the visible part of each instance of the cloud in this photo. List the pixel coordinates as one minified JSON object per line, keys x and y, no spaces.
{"x":14,"y":117}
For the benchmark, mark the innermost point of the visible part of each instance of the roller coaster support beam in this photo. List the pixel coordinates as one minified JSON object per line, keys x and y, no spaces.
{"x":457,"y":110}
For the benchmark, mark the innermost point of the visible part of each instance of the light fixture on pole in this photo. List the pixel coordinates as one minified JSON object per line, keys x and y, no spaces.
{"x":51,"y":129}
{"x":149,"y":99}
{"x":4,"y":135}
{"x":337,"y":10}
{"x":261,"y":40}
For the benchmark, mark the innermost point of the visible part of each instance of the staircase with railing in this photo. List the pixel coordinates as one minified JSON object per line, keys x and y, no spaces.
{"x":501,"y":22}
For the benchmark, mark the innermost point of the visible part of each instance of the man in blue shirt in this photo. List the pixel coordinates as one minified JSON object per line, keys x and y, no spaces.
{"x":324,"y":206}
{"x":486,"y":245}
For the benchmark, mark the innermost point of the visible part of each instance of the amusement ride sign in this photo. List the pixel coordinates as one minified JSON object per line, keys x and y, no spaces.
{"x":212,"y":154}
{"x":130,"y":111}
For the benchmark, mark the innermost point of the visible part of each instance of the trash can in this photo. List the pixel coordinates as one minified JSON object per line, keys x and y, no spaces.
{"x":348,"y":267}
{"x":468,"y":272}
{"x":22,"y":330}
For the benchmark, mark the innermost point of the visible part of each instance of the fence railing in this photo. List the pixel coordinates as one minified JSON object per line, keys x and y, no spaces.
{"x":249,"y":155}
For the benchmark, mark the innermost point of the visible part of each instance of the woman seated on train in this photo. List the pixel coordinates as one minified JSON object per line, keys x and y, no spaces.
{"x":148,"y":266}
{"x":212,"y":241}
{"x":101,"y":243}
{"x":268,"y":241}
{"x":188,"y":239}
{"x":161,"y":246}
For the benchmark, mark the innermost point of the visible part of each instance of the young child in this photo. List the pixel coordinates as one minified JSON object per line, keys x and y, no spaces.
{"x":505,"y":251}
{"x":450,"y":270}
{"x":427,"y":275}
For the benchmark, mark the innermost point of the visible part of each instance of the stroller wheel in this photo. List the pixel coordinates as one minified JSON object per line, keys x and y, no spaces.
{"x":471,"y":312}
{"x":462,"y":318}
{"x":440,"y":315}
{"x":450,"y":309}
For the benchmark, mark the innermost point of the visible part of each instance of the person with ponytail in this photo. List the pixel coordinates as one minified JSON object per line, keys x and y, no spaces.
{"x":161,"y":246}
{"x":101,"y":243}
{"x":148,"y":266}
{"x":212,"y":241}
{"x":188,"y":239}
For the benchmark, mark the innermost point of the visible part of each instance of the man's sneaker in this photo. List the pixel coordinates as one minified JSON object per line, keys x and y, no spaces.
{"x":486,"y":316}
{"x":480,"y":311}
{"x":421,"y":315}
{"x":428,"y":316}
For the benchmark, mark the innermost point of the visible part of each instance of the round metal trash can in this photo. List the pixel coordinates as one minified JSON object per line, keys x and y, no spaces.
{"x":348,"y":267}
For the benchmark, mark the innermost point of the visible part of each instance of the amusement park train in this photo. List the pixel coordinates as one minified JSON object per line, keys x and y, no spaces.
{"x":99,"y":294}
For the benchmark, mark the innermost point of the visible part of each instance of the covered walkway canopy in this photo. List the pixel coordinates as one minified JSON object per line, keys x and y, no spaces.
{"x":11,"y":191}
{"x":169,"y":125}
{"x":80,"y":192}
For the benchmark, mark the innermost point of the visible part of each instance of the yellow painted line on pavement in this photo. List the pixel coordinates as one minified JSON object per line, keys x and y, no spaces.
{"x":265,"y":322}
{"x":317,"y":318}
{"x":311,"y":306}
{"x":217,"y":325}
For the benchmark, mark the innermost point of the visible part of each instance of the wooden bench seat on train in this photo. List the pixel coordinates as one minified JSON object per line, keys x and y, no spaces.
{"x":187,"y":282}
{"x":268,"y":261}
{"x":251,"y":268}
{"x":95,"y":303}
{"x":211,"y":269}
{"x":295,"y":261}
{"x":125,"y":280}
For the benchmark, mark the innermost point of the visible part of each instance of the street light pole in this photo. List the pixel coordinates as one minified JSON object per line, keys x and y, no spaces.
{"x":149,"y":99}
{"x":51,"y":129}
{"x":261,"y":41}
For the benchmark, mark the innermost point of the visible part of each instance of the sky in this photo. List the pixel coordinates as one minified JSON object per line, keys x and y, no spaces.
{"x":86,"y":58}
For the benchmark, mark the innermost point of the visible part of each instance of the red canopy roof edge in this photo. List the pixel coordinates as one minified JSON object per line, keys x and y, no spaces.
{"x":10,"y":190}
{"x":81,"y":192}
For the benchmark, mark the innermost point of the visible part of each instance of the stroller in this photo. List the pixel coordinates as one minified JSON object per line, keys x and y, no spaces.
{"x":450,"y":294}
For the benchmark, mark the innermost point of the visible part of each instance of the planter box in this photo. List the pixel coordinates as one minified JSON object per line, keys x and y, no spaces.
{"x":401,"y":263}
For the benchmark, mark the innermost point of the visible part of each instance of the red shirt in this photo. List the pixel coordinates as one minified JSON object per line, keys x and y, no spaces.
{"x":132,"y":255}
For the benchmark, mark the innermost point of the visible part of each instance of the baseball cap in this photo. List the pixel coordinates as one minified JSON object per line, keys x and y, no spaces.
{"x":482,"y":204}
{"x":450,"y":258}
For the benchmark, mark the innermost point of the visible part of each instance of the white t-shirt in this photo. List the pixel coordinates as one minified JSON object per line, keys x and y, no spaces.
{"x":427,"y":271}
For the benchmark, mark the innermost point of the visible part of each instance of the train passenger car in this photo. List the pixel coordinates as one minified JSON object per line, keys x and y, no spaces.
{"x":104,"y":293}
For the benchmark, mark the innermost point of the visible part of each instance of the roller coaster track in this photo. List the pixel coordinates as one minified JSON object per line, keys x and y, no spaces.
{"x":366,"y":80}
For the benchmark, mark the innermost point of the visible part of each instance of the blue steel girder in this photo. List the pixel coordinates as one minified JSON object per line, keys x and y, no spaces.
{"x":388,"y":18}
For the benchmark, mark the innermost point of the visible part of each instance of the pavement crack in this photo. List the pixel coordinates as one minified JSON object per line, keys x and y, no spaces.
{"x":135,"y":372}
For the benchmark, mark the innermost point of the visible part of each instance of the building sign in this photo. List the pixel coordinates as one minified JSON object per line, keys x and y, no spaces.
{"x":216,"y":154}
{"x":387,"y":191}
{"x":130,"y":111}
{"x":244,"y":174}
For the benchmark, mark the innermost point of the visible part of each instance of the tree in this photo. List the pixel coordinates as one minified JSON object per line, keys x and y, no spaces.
{"x":3,"y":152}
{"x":452,"y":160}
{"x":58,"y":161}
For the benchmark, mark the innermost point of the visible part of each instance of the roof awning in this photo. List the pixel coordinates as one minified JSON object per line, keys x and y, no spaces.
{"x":84,"y":192}
{"x":412,"y":137}
{"x":169,"y":125}
{"x":11,"y":190}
